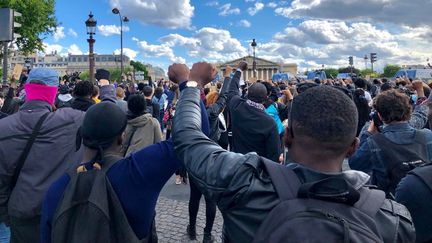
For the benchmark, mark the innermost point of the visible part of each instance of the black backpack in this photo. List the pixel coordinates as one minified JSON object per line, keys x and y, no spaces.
{"x":400,"y":159}
{"x":306,"y":214}
{"x":91,"y":212}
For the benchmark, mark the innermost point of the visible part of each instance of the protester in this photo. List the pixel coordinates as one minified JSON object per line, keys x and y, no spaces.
{"x":389,"y":154}
{"x":160,"y":98}
{"x":120,"y":94}
{"x":82,"y":93}
{"x":152,"y":107}
{"x":142,"y":173}
{"x":95,"y":95}
{"x":363,"y":108}
{"x":362,"y":84}
{"x":64,"y":98}
{"x":11,"y":103}
{"x":142,"y":129}
{"x":240,"y":184}
{"x":252,"y":128}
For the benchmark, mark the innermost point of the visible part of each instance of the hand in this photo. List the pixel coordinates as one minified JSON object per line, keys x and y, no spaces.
{"x":417,"y":84}
{"x":227,"y":72}
{"x":178,"y":73}
{"x":203,"y":73}
{"x":372,"y":128}
{"x":242,"y":66}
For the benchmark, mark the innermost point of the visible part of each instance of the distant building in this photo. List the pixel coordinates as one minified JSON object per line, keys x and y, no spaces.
{"x":264,"y":68}
{"x":80,"y":63}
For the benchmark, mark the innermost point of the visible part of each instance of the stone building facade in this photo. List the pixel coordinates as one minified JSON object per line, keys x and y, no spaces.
{"x":264,"y":68}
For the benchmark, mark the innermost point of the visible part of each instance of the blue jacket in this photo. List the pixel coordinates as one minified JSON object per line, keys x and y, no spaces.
{"x":142,"y":173}
{"x":369,"y":158}
{"x":274,"y":113}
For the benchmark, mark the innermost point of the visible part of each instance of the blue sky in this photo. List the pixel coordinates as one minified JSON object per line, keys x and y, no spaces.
{"x":307,"y":32}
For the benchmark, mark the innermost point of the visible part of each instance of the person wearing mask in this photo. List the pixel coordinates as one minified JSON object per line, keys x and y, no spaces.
{"x":142,"y":129}
{"x":26,"y":140}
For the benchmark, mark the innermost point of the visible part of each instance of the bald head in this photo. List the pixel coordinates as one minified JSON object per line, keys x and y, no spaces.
{"x":257,"y":92}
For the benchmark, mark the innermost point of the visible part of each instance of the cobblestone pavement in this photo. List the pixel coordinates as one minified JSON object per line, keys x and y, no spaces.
{"x":172,"y":216}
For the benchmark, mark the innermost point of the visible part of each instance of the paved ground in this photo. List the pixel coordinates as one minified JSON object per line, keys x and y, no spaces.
{"x":172,"y":215}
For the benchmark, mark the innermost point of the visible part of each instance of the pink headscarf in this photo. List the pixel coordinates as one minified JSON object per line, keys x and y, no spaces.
{"x":41,"y":92}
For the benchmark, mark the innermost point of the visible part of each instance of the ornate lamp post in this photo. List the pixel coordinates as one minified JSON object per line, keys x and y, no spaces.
{"x":122,"y":20}
{"x":254,"y":44}
{"x":91,"y":30}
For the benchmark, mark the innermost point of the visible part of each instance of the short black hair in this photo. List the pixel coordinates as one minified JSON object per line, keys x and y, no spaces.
{"x":136,"y":104}
{"x":159,"y":91}
{"x":326,"y":117}
{"x":147,"y":90}
{"x":257,"y":92}
{"x":360,"y":83}
{"x":141,"y":86}
{"x":83,"y":89}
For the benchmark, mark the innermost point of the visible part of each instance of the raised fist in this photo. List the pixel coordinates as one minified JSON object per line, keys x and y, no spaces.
{"x":243,"y":66}
{"x":227,"y":72}
{"x":178,"y":73}
{"x":203,"y":73}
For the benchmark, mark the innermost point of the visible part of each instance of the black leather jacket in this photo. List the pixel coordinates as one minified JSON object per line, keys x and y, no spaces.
{"x":242,"y":188}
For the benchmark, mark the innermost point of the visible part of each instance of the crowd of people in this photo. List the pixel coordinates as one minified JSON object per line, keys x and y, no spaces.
{"x":84,"y":162}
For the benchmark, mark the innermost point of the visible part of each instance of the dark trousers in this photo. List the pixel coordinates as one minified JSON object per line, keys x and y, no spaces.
{"x":194,"y":201}
{"x":25,"y":230}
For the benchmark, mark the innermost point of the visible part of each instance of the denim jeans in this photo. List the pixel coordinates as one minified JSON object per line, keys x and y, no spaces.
{"x":4,"y":233}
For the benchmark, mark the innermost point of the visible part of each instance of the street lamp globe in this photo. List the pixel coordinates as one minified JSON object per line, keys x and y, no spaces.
{"x":91,"y":24}
{"x":125,"y":19}
{"x":253,"y":44}
{"x":115,"y":11}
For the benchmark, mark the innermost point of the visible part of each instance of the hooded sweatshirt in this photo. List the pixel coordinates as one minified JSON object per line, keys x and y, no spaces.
{"x":141,"y":132}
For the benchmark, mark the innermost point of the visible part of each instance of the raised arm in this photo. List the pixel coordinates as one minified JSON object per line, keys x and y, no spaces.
{"x":216,"y":108}
{"x":235,"y":81}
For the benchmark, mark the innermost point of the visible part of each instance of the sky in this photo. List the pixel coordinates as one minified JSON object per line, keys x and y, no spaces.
{"x":310,"y":33}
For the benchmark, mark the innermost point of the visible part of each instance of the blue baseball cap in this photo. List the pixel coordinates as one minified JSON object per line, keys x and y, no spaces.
{"x":48,"y":76}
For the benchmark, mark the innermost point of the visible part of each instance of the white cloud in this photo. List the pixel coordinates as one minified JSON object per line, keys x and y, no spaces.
{"x":412,"y":13}
{"x":272,"y":5}
{"x":163,"y":50}
{"x":208,"y":43}
{"x":212,"y":4}
{"x":254,"y":10}
{"x":226,"y":10}
{"x":51,"y":48}
{"x":108,"y":30}
{"x":244,"y":23}
{"x":127,"y":52}
{"x":164,"y":13}
{"x":59,"y":33}
{"x":74,"y":50}
{"x":72,"y":32}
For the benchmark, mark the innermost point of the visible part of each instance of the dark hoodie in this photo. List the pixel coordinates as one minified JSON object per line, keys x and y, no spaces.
{"x":82,"y":104}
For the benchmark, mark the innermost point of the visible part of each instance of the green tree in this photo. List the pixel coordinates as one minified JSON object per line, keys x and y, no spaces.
{"x":85,"y":75}
{"x":348,"y":70}
{"x":390,"y":70}
{"x":366,"y":72}
{"x":138,"y":66}
{"x":331,"y":72}
{"x":37,"y":21}
{"x":116,"y":73}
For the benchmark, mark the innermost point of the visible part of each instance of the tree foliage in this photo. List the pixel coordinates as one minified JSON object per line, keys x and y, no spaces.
{"x":138,"y":66}
{"x":37,"y":21}
{"x":348,"y":70}
{"x":331,"y":72}
{"x":390,"y":70}
{"x":366,"y":72}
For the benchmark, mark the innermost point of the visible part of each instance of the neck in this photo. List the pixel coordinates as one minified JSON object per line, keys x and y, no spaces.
{"x":316,"y":160}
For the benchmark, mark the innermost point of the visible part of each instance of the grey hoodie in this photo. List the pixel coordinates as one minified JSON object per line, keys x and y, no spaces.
{"x":141,"y":132}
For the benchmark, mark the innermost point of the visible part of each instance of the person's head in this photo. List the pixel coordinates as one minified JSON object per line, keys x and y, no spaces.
{"x":211,"y":98}
{"x":141,"y":86}
{"x":83,"y":89}
{"x":360,"y":83}
{"x":95,"y":93}
{"x":257,"y":92}
{"x":136,"y":105}
{"x":42,"y":84}
{"x":317,"y":81}
{"x":393,"y":106}
{"x":174,"y":88}
{"x":148,"y":91}
{"x":63,"y":89}
{"x":120,"y":93}
{"x":102,"y":129}
{"x":158,"y":92}
{"x":102,"y":74}
{"x":206,"y":91}
{"x":387,"y":86}
{"x":323,"y":126}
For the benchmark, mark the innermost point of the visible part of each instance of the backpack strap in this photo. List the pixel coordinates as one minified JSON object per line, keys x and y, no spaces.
{"x":370,"y":201}
{"x":26,"y":151}
{"x":424,"y":173}
{"x":130,"y":140}
{"x":282,"y":178}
